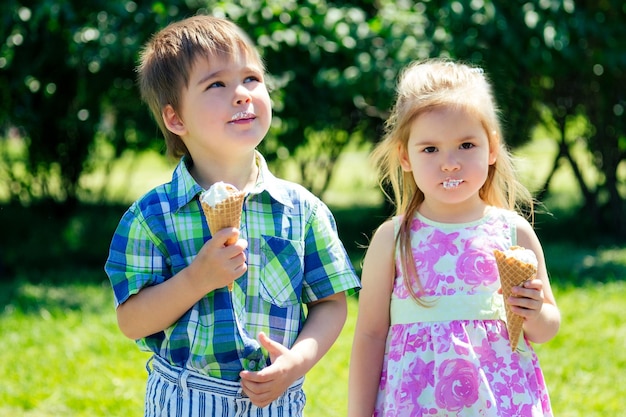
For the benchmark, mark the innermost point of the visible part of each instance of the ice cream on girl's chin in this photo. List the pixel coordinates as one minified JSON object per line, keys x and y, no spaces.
{"x":449,"y":183}
{"x":217,"y":193}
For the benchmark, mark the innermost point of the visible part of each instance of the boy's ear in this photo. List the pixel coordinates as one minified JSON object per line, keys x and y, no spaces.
{"x":172,"y":121}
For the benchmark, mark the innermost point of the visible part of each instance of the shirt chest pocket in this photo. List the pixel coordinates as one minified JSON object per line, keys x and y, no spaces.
{"x":282,"y":270}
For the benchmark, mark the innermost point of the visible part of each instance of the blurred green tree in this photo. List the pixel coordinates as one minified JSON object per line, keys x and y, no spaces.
{"x":584,"y":76}
{"x":67,"y":78}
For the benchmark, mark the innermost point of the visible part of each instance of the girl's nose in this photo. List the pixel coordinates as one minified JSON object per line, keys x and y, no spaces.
{"x":450,"y":163}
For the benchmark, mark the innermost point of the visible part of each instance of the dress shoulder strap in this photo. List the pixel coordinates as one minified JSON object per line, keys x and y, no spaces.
{"x":397,"y":220}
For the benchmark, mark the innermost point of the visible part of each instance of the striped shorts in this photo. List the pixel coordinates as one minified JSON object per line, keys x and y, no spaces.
{"x":177,"y":392}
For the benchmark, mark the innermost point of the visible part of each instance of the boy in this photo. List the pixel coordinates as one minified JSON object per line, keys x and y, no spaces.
{"x":216,"y":352}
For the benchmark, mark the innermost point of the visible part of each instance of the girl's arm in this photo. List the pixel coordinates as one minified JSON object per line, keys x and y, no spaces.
{"x":372,"y":323}
{"x":535,"y":300}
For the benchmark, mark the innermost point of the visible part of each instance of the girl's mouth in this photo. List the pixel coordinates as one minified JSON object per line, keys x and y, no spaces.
{"x":449,"y":183}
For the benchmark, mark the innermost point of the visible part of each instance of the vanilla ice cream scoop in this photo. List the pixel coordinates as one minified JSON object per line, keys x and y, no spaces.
{"x":218,"y":192}
{"x":521,"y":254}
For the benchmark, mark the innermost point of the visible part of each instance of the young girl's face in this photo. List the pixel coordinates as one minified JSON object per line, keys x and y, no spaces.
{"x":449,"y":155}
{"x":226,"y":107}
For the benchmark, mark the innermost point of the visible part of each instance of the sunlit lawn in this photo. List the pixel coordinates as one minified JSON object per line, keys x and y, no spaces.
{"x":61,"y":354}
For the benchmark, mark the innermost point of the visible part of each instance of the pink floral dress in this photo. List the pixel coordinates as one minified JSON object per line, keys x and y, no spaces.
{"x":454,"y":358}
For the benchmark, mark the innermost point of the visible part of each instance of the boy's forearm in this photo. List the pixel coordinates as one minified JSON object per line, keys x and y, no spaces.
{"x":156,"y":308}
{"x":323,"y":325}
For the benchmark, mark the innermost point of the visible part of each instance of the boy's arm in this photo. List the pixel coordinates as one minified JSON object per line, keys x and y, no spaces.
{"x":372,"y":326}
{"x":324,"y":322}
{"x":157,"y":307}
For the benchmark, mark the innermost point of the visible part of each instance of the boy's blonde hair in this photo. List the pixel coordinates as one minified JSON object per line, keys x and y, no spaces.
{"x":167,"y":59}
{"x":422,"y":87}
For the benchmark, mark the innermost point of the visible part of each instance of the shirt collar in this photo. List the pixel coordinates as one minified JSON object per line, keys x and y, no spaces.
{"x":184,"y":187}
{"x":266,"y":181}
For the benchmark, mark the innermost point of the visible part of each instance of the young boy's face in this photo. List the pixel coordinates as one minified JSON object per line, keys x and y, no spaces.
{"x":226,"y":109}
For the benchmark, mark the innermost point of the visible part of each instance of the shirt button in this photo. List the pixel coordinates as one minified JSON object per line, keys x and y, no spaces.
{"x":251,"y":365}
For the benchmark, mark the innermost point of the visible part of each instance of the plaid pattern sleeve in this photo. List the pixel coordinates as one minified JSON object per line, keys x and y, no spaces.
{"x":327,"y":267}
{"x":134,"y":260}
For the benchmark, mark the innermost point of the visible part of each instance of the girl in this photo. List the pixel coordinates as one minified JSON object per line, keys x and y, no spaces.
{"x":420,"y":348}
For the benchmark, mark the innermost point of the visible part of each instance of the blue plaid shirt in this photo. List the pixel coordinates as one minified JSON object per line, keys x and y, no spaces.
{"x":294,"y":257}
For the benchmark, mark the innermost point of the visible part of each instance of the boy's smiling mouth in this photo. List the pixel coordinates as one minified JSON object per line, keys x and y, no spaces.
{"x":242,"y":115}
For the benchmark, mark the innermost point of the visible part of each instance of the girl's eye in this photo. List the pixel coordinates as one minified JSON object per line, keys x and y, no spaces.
{"x":430,"y":149}
{"x":467,"y":145}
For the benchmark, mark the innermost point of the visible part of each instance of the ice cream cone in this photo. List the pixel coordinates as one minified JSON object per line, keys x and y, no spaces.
{"x":226,"y":213}
{"x":513,"y":272}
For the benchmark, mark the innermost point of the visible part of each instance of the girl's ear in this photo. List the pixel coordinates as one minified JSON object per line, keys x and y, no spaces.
{"x":493,"y":156}
{"x":494,"y":148}
{"x":403,"y":156}
{"x":172,"y":121}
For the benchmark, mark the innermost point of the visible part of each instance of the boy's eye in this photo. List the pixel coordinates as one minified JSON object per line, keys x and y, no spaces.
{"x":252,"y":78}
{"x":215,"y":84}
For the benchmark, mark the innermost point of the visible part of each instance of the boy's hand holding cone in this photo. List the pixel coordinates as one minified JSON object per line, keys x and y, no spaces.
{"x":516,"y":266}
{"x":222,"y":205}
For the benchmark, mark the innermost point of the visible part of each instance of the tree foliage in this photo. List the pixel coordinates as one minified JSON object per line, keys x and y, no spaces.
{"x":67,"y":78}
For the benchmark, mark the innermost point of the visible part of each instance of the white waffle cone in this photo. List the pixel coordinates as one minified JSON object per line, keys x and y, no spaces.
{"x":513,"y":272}
{"x":226,"y":213}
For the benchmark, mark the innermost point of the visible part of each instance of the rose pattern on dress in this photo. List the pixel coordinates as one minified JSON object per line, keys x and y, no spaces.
{"x":476,"y":268}
{"x":457,"y":385}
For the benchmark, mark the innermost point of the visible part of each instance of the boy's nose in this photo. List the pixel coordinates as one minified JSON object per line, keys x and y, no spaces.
{"x":242,"y":100}
{"x":242,"y":95}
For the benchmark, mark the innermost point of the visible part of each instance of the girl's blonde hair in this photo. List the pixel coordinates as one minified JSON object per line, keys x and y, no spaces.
{"x":167,"y":60}
{"x":424,"y":86}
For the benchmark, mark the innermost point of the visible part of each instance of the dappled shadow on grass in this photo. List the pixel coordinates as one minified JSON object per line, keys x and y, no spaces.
{"x":577,"y":253}
{"x":42,"y":246}
{"x":56,"y":290}
{"x":572,"y":265}
{"x":356,"y":225}
{"x":51,"y":299}
{"x":46,"y":236}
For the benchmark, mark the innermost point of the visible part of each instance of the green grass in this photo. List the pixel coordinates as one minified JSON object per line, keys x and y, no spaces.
{"x":584,"y":365}
{"x":61,"y":353}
